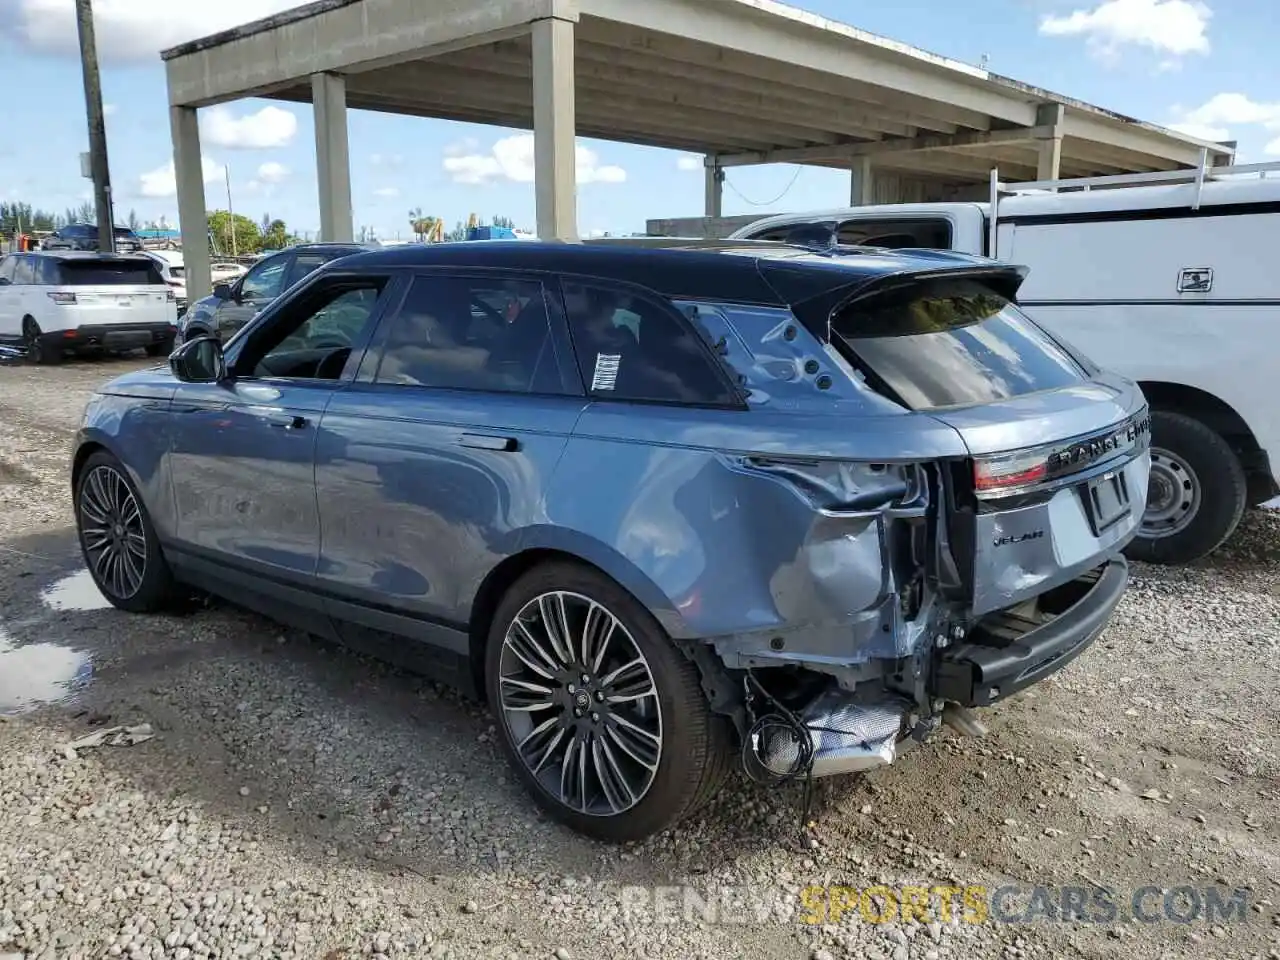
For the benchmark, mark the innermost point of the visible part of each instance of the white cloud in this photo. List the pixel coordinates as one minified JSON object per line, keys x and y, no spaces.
{"x":1272,"y":149}
{"x":109,"y":109}
{"x":512,"y":159}
{"x":273,"y":172}
{"x":270,"y":127}
{"x":1174,"y":27}
{"x":689,"y":162}
{"x":1216,"y":118}
{"x":386,"y":159}
{"x":127,"y":29}
{"x":162,"y":182}
{"x":387,"y":193}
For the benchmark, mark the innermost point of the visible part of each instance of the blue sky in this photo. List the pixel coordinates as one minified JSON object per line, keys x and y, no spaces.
{"x":1209,"y":68}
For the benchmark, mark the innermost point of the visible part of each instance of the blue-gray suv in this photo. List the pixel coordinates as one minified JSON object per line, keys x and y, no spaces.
{"x":671,"y":511}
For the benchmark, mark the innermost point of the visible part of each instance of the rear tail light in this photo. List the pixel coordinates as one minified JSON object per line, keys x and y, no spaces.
{"x":1009,"y":471}
{"x":172,"y":296}
{"x":63,"y":298}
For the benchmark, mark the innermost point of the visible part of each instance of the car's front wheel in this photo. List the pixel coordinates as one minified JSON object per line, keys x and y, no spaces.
{"x":602,"y":717}
{"x":117,"y":539}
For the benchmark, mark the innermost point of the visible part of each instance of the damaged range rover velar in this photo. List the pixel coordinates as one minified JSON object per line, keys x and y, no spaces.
{"x":668,"y":506}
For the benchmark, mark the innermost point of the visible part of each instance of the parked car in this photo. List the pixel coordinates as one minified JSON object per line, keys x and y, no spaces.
{"x":235,"y":302}
{"x":670,"y":510}
{"x":173,"y":272}
{"x":1190,"y":317}
{"x":84,"y":236}
{"x":54,"y":303}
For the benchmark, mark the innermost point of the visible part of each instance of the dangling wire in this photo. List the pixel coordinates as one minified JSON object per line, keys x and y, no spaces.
{"x":794,"y":177}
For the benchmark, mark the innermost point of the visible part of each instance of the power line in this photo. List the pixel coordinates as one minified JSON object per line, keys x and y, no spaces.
{"x":766,"y":203}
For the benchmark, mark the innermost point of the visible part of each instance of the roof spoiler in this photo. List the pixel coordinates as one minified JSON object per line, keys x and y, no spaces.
{"x":816,"y":312}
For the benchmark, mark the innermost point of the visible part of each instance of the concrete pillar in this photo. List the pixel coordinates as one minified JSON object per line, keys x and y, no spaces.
{"x":554,"y":130}
{"x":333,"y":157}
{"x":193,"y":217}
{"x":1049,"y":147}
{"x":714,"y":205}
{"x":862,"y":183}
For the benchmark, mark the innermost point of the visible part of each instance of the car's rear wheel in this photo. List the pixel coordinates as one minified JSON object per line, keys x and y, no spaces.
{"x":1196,"y":495}
{"x":603,"y":719}
{"x":39,"y":350}
{"x":117,"y":538}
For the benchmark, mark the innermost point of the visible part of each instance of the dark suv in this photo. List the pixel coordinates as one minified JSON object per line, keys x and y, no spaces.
{"x":232,"y":305}
{"x":84,"y":236}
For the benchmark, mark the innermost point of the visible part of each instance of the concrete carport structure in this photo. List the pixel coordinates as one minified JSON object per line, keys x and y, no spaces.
{"x":739,"y":81}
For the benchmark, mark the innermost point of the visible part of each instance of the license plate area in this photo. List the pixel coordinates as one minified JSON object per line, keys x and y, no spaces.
{"x":1106,"y":501}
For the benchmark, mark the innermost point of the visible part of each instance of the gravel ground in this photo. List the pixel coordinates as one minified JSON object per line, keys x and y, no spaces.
{"x":300,"y":801}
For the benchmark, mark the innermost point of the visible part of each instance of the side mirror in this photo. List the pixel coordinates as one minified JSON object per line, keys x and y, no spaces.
{"x":223,"y":291}
{"x":199,"y":361}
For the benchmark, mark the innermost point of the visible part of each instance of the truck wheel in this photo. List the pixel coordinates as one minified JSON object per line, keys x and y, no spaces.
{"x":1196,"y":495}
{"x":161,"y":349}
{"x":603,"y":719}
{"x":39,"y":350}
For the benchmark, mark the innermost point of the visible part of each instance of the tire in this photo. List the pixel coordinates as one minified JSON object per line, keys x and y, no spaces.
{"x":161,"y":349}
{"x":694,"y":746}
{"x":1197,"y":494}
{"x":39,"y":349}
{"x":126,"y":532}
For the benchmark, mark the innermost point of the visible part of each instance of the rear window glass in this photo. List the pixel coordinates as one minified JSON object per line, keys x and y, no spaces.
{"x":98,"y":273}
{"x":951,"y":343}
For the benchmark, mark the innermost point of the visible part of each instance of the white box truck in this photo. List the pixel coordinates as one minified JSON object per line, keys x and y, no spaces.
{"x":1170,"y":279}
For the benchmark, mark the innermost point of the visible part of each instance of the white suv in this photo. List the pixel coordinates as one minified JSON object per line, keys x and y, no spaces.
{"x":54,"y":302}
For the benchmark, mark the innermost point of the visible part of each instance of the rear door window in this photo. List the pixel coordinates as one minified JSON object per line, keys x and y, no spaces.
{"x":24,"y":271}
{"x":473,"y":333}
{"x":6,"y":268}
{"x":101,"y":272}
{"x":304,"y":264}
{"x":950,"y":343}
{"x":634,"y":347}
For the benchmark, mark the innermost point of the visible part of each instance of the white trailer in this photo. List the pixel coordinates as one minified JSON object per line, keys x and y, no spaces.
{"x":1170,"y":279}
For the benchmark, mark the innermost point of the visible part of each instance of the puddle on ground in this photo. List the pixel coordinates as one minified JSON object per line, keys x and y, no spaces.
{"x":36,"y":673}
{"x":75,"y":592}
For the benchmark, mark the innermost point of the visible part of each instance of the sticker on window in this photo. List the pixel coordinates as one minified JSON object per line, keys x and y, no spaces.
{"x":606,"y":373}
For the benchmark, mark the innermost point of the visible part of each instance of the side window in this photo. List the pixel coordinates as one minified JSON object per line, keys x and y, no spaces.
{"x":264,"y":281}
{"x":472,"y":333}
{"x":631,"y":347}
{"x":47,"y":271}
{"x":24,"y":271}
{"x":314,"y":337}
{"x":932,"y":233}
{"x":6,"y":268}
{"x":304,"y":264}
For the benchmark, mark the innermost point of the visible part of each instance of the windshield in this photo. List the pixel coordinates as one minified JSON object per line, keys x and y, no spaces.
{"x":951,"y":342}
{"x":101,"y":272}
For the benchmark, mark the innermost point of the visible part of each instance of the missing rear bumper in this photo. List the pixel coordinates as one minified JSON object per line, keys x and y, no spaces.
{"x":1010,"y":651}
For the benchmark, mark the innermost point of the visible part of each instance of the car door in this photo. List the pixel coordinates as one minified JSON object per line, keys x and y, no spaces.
{"x":250,"y":295}
{"x":10,"y":318}
{"x":23,"y":293}
{"x":434,"y":461}
{"x":242,"y":450}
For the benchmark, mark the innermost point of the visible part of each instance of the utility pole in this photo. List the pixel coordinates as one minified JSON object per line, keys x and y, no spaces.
{"x":231,"y":213}
{"x":97,"y":126}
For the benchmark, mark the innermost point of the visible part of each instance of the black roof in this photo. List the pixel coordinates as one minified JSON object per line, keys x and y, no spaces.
{"x":89,"y":255}
{"x":731,"y":270}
